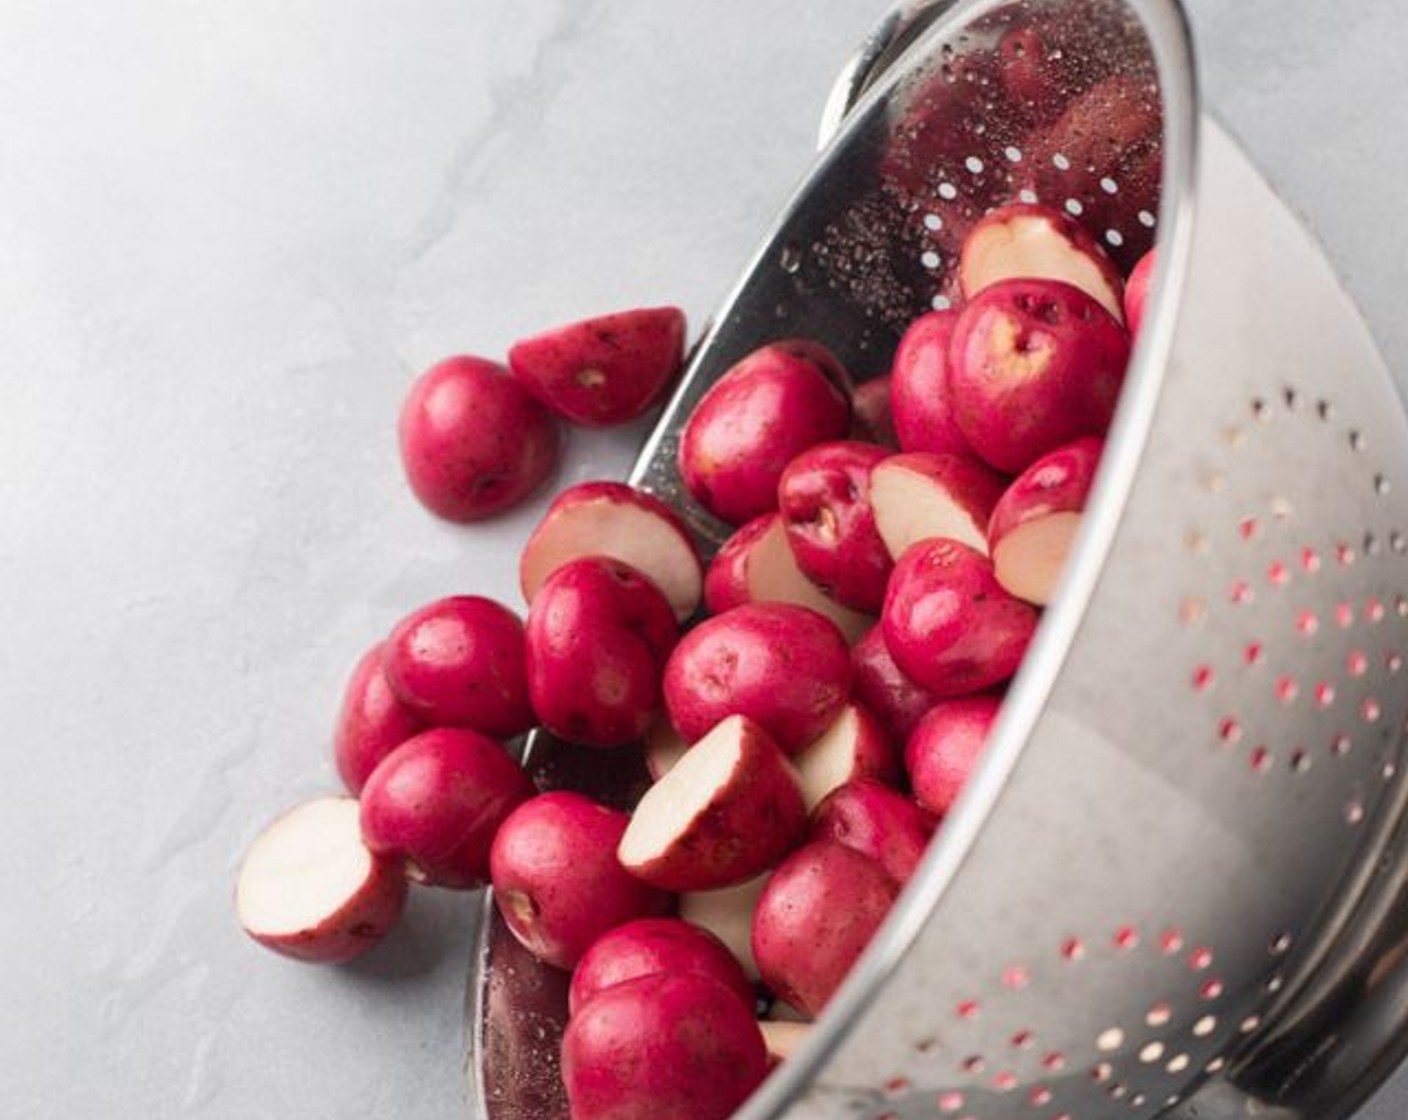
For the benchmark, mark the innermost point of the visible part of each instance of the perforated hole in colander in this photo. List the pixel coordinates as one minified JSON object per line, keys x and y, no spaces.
{"x":1135,"y":1062}
{"x":1325,"y":683}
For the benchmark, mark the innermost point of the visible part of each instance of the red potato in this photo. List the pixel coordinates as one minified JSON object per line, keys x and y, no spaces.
{"x":1034,"y":524}
{"x":785,"y":667}
{"x":945,"y":746}
{"x":763,"y":412}
{"x":1136,"y":291}
{"x":309,"y":889}
{"x":616,"y":520}
{"x":650,"y":945}
{"x":605,"y":370}
{"x":772,"y":575}
{"x":877,"y":821}
{"x":664,"y":746}
{"x":662,"y":1046}
{"x":726,"y":580}
{"x":557,"y":881}
{"x":727,"y":913}
{"x":473,"y":441}
{"x":1034,"y":364}
{"x":896,"y":699}
{"x":371,"y":723}
{"x":871,"y":420}
{"x":948,"y":622}
{"x":816,"y":915}
{"x":921,"y":495}
{"x":919,"y":394}
{"x":727,"y":811}
{"x":824,"y":501}
{"x":437,"y":800}
{"x":854,"y":746}
{"x":1031,"y":242}
{"x":597,"y":638}
{"x":460,"y":661}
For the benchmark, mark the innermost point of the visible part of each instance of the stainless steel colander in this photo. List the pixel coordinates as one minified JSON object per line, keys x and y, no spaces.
{"x":1175,"y":885}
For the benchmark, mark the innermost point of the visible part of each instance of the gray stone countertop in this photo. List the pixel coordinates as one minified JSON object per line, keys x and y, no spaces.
{"x":230,"y":235}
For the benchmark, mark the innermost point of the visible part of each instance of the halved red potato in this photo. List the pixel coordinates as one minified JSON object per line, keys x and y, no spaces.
{"x":773,"y":576}
{"x":308,"y":887}
{"x":727,"y":811}
{"x":616,"y":520}
{"x":1028,"y":241}
{"x":921,"y":495}
{"x":1036,"y":520}
{"x":604,"y":370}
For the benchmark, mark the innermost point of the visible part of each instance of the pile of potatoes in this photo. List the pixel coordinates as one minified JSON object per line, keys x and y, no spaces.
{"x":810,"y":703}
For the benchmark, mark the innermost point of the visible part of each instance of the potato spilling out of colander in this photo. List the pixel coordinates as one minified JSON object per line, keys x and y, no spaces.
{"x":1173,"y":886}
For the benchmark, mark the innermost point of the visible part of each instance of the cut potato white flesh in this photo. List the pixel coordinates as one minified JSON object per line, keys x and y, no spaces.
{"x":612,"y":519}
{"x":773,"y":577}
{"x":728,"y":809}
{"x":1029,"y":560}
{"x":727,"y":913}
{"x":309,"y":888}
{"x":1026,"y":242}
{"x":914,"y":499}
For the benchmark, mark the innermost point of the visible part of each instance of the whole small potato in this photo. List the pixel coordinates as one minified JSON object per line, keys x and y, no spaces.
{"x":372,"y":721}
{"x":815,"y":917}
{"x":1034,"y":364}
{"x":662,"y":1047}
{"x":948,"y":622}
{"x":436,"y":802}
{"x":473,"y":440}
{"x":785,"y":667}
{"x":896,"y":698}
{"x":763,"y":412}
{"x":871,"y":418}
{"x":878,"y":821}
{"x":557,"y":881}
{"x":945,"y":746}
{"x":650,"y":945}
{"x":919,"y":396}
{"x":461,"y":661}
{"x":597,"y":638}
